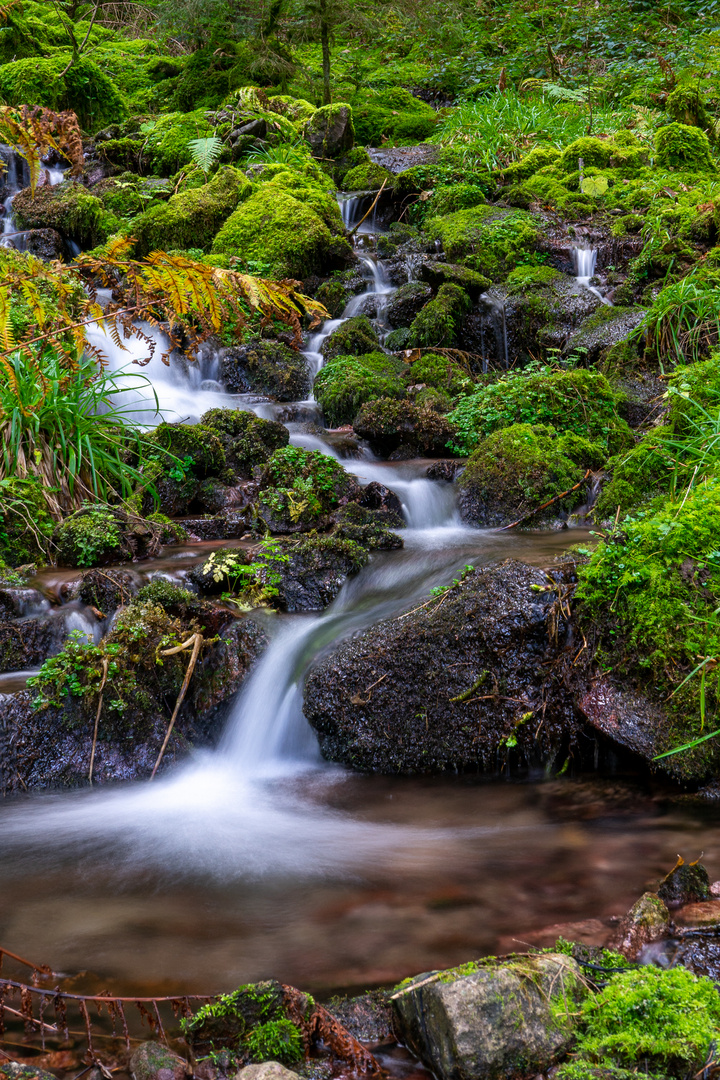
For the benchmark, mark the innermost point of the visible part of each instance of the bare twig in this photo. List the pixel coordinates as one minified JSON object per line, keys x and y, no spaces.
{"x":545,"y":505}
{"x":97,"y":716}
{"x":353,"y":231}
{"x":198,"y":641}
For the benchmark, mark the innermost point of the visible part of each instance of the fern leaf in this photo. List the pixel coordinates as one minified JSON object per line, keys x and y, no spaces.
{"x":205,"y":152}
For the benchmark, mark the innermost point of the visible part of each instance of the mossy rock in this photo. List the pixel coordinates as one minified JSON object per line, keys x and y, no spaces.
{"x":25,"y":524}
{"x":579,"y":401}
{"x":299,"y":488}
{"x":440,"y":321}
{"x":69,"y":209}
{"x":447,"y":198}
{"x":440,"y":373}
{"x":487,"y":239}
{"x":249,"y":1025}
{"x":402,"y":428}
{"x":407,"y":302}
{"x":347,"y":382}
{"x":440,"y":273}
{"x":368,"y":177}
{"x":167,"y":143}
{"x":191,"y":218}
{"x":330,"y":131}
{"x":248,"y":440}
{"x":681,"y":147}
{"x":266,"y":367}
{"x":371,"y":528}
{"x":99,"y":536}
{"x":355,"y":337}
{"x":275,"y":228}
{"x":537,"y":159}
{"x":685,"y":105}
{"x":602,"y":154}
{"x":334,"y":296}
{"x":607,"y":327}
{"x":48,"y":81}
{"x":393,"y":114}
{"x":517,"y":469}
{"x":636,"y":477}
{"x":315,"y":569}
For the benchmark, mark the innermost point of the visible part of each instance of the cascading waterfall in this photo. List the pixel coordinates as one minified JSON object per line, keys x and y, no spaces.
{"x":585,"y":263}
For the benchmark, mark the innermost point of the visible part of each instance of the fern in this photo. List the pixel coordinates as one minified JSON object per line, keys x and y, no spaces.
{"x":34,"y":131}
{"x":205,"y":152}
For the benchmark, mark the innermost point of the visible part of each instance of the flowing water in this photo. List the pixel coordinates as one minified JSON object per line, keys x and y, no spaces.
{"x":258,"y":859}
{"x":585,"y":263}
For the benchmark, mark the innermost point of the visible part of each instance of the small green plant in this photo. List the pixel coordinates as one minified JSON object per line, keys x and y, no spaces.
{"x":281,"y":154}
{"x":181,"y":468}
{"x":442,"y":590}
{"x":276,"y":1040}
{"x":252,"y":583}
{"x":205,"y":152}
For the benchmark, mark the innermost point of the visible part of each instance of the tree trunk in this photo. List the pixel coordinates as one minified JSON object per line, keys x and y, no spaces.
{"x":325,"y":41}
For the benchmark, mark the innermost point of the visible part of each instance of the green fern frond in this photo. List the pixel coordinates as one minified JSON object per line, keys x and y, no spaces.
{"x":205,"y":152}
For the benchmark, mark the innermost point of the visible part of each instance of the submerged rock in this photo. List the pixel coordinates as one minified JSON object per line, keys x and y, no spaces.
{"x":155,"y":1061}
{"x":491,"y":1019}
{"x":451,"y":684}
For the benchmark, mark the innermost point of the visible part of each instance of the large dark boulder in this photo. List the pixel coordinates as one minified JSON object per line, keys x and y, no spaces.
{"x":265,"y":367}
{"x":330,"y":131}
{"x":456,"y":683}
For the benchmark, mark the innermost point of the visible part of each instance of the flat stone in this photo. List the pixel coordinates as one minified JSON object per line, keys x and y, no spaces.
{"x":705,"y":913}
{"x":269,"y":1070}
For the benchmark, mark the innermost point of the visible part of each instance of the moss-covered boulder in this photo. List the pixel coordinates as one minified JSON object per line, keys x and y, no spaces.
{"x":247,"y":439}
{"x":370,"y":527}
{"x":299,"y":488}
{"x":275,"y":228}
{"x":392,"y":114}
{"x":329,"y":131}
{"x":265,"y":367}
{"x":191,"y":218}
{"x":155,"y":1061}
{"x":685,"y":105}
{"x":25,"y":524}
{"x":579,"y":401}
{"x":355,"y":337}
{"x":368,"y":177}
{"x":517,"y":469}
{"x":61,"y":82}
{"x":488,"y":239}
{"x":403,"y":429}
{"x":97,"y":536}
{"x":649,"y":593}
{"x":607,"y":327}
{"x":69,"y":209}
{"x":139,"y":692}
{"x":167,"y":139}
{"x":347,"y":382}
{"x":440,"y":321}
{"x":312,"y":572}
{"x":681,"y":147}
{"x":440,"y":273}
{"x":440,"y":373}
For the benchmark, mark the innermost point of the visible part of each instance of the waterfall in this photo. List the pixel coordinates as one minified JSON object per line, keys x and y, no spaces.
{"x":585,"y":262}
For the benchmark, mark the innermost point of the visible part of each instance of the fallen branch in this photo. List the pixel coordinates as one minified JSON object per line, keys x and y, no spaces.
{"x":198,"y":641}
{"x":353,"y":231}
{"x":545,"y":505}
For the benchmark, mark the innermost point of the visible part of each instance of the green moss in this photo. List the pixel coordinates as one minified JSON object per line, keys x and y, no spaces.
{"x":393,"y":115}
{"x":537,"y":159}
{"x":91,"y":538}
{"x":447,"y":198}
{"x":312,"y":188}
{"x":273,"y":227}
{"x":487,"y":239}
{"x":166,"y":143}
{"x":191,"y":218}
{"x":685,"y":106}
{"x":388,"y":424}
{"x":439,"y":372}
{"x":651,"y":591}
{"x":25,"y":525}
{"x":663,"y":1022}
{"x":295,"y":109}
{"x":681,"y":147}
{"x":346,"y":382}
{"x":368,"y":177}
{"x":440,"y":321}
{"x":523,"y":278}
{"x":602,"y":154}
{"x":248,"y":440}
{"x":334,"y":296}
{"x":579,"y":401}
{"x":84,"y":88}
{"x":277,"y":1040}
{"x":194,"y":444}
{"x":69,"y":209}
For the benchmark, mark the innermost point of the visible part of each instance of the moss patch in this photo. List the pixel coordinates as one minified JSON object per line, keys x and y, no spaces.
{"x":487,"y":239}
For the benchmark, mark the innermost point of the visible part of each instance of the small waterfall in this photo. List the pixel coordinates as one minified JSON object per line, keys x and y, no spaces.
{"x":585,"y":262}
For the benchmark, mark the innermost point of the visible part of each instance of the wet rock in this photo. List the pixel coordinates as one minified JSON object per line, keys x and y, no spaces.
{"x":448,"y":684}
{"x":371,"y":529}
{"x":106,"y":590}
{"x":368,"y":1017}
{"x":687,"y":883}
{"x":705,"y":915}
{"x":45,"y":244}
{"x":391,"y":426}
{"x":14,"y":1070}
{"x":608,"y":327}
{"x":445,"y":470}
{"x":377,"y":497}
{"x":330,"y":132}
{"x":407,"y":302}
{"x":500,"y":1019}
{"x":28,"y":642}
{"x":316,"y":571}
{"x":268,"y":1070}
{"x":265,"y":367}
{"x":647,"y":921}
{"x":155,"y":1061}
{"x":17,"y":602}
{"x":625,"y":716}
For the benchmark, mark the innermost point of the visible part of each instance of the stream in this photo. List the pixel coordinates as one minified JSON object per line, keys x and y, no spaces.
{"x":258,"y":859}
